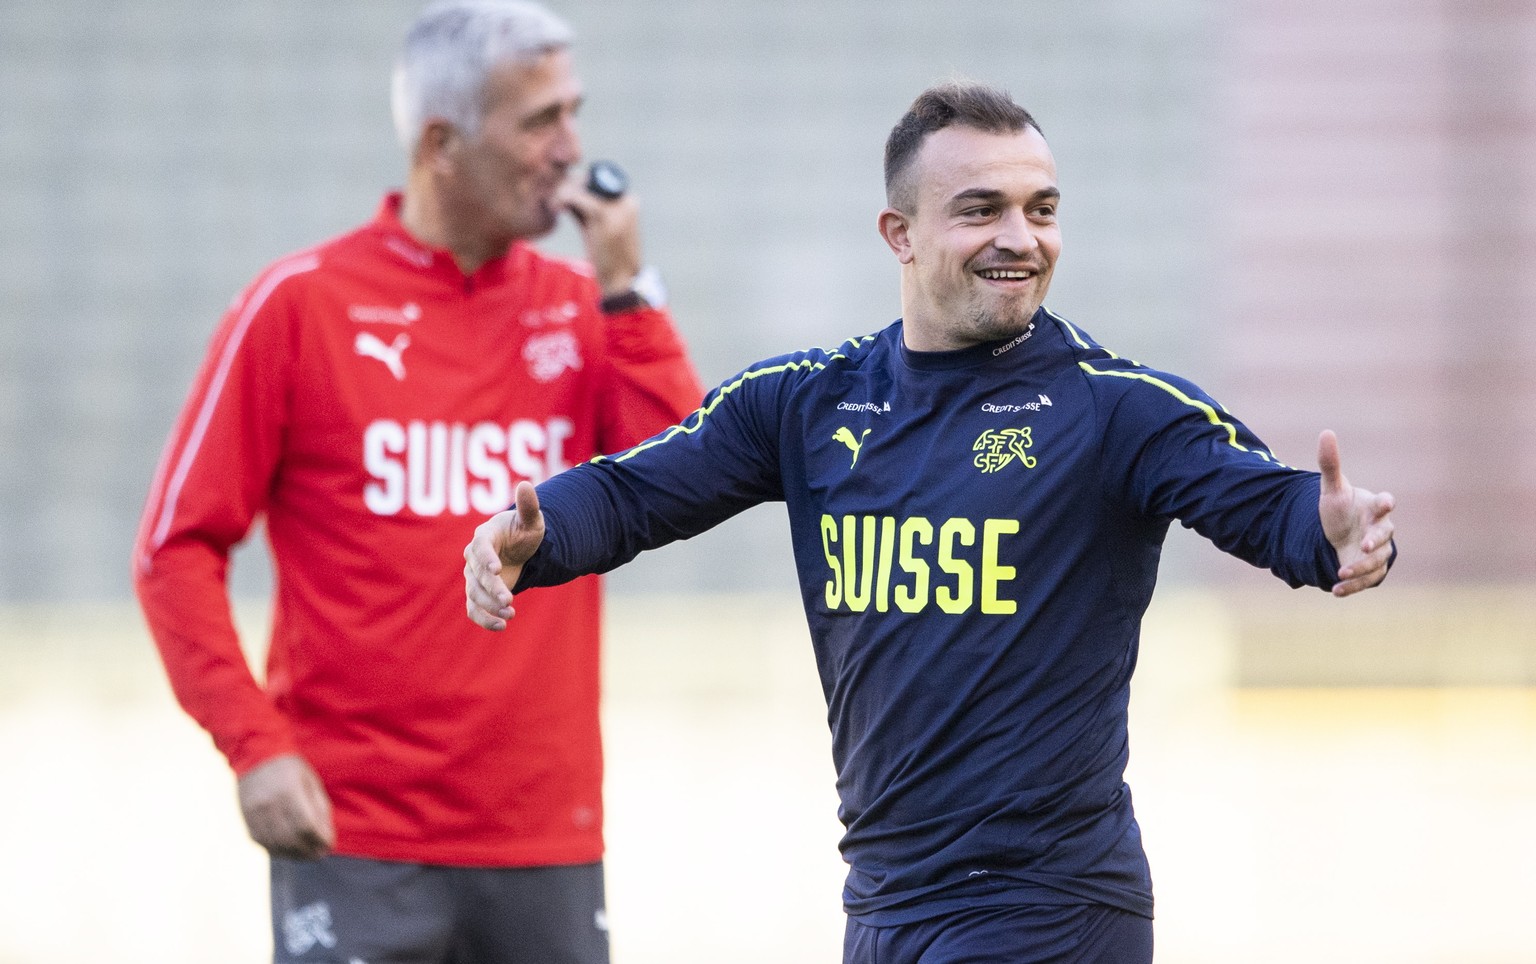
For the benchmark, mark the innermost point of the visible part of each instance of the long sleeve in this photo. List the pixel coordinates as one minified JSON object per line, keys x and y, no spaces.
{"x":213,"y":480}
{"x":720,"y":461}
{"x":1176,"y":453}
{"x":650,"y":383}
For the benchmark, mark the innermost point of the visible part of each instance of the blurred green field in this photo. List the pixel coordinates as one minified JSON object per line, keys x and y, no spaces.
{"x":1284,"y":823}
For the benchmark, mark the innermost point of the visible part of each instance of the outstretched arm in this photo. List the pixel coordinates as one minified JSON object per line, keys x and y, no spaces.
{"x":1357,"y":523}
{"x":494,"y":559}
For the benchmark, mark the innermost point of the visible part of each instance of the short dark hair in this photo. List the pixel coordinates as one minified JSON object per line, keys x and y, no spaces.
{"x":960,"y":103}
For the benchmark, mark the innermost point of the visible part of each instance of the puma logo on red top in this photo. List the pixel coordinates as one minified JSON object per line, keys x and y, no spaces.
{"x":370,"y":345}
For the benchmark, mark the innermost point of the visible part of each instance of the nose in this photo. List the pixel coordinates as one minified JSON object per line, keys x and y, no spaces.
{"x":1015,"y":234}
{"x":565,"y":150}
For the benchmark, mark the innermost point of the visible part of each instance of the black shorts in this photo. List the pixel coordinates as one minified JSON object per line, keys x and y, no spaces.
{"x":1035,"y":934}
{"x":347,"y":910}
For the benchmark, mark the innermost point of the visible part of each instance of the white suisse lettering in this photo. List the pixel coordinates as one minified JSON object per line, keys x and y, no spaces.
{"x":381,"y":442}
{"x":527,"y":442}
{"x":492,"y":491}
{"x":440,"y":467}
{"x":558,"y":429}
{"x":426,"y":466}
{"x":458,"y":485}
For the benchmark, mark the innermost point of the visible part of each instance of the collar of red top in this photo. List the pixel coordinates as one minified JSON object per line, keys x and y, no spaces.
{"x":438,"y":261}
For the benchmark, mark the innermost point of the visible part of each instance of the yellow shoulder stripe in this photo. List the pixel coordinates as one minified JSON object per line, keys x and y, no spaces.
{"x":698,"y":416}
{"x":1081,"y":342}
{"x":1211,"y":415}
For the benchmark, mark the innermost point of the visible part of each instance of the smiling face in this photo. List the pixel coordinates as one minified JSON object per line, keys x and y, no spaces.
{"x":503,"y":180}
{"x":980,"y":241}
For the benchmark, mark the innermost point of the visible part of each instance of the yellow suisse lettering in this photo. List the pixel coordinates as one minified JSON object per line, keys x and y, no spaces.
{"x":958,"y":600}
{"x":863,"y":552}
{"x":835,"y":584}
{"x":920,"y":530}
{"x":858,"y":579}
{"x":887,"y":549}
{"x":992,"y":572}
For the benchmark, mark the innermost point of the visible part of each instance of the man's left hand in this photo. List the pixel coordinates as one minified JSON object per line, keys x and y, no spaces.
{"x":1357,"y":523}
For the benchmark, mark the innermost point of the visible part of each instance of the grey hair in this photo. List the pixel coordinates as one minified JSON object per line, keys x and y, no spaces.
{"x":449,"y":51}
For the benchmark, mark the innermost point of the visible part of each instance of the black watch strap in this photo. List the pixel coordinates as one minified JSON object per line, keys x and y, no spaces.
{"x":646,"y":291}
{"x":623,"y":301}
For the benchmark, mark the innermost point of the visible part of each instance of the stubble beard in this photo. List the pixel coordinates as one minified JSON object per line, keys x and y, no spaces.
{"x":990,"y":322}
{"x":533,"y":218}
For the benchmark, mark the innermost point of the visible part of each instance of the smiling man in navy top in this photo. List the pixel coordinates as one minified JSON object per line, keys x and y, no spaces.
{"x":978,"y":495}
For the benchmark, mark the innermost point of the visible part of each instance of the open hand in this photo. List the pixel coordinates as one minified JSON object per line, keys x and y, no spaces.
{"x":1357,"y":523}
{"x":494,"y":559}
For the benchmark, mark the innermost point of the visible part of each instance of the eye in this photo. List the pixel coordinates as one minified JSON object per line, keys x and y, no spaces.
{"x":978,"y":212}
{"x":548,"y":117}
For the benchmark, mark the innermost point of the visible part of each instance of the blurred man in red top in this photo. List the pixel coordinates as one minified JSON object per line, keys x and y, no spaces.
{"x":427,"y":792}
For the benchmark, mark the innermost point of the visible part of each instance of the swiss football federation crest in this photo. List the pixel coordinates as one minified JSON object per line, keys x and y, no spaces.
{"x":307,"y":927}
{"x":552,"y":355}
{"x":996,"y":449}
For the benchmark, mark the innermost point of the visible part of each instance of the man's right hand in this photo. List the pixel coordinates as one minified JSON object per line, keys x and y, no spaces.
{"x":286,"y":809}
{"x":494,"y":559}
{"x":610,"y":231}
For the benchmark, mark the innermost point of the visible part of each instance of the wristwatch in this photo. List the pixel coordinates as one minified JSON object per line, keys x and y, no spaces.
{"x":646,"y":291}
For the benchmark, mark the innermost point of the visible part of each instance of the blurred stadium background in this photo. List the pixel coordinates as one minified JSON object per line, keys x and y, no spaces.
{"x":1325,"y":213}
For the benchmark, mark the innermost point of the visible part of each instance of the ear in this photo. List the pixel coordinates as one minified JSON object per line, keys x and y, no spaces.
{"x":895,"y":229}
{"x":438,"y":145}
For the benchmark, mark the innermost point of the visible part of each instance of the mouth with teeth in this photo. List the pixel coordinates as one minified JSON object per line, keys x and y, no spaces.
{"x":1007,"y":274}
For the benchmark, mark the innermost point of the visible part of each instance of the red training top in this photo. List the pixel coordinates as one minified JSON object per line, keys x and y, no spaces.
{"x":375,"y":404}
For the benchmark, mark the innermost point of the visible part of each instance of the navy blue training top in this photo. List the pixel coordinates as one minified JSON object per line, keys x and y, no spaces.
{"x":976,"y":535}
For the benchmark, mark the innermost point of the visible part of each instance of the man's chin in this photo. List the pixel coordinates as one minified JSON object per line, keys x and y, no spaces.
{"x":535,"y":222}
{"x":540,"y":225}
{"x":1001,"y":325}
